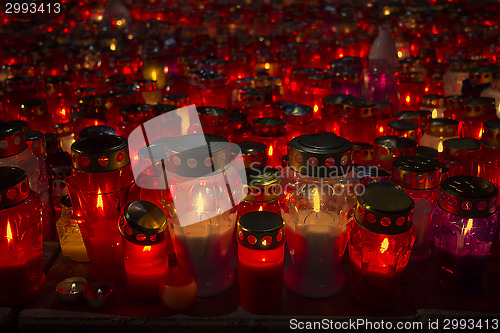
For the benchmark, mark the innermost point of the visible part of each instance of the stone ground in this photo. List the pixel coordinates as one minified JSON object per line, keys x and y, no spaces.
{"x":421,"y":299}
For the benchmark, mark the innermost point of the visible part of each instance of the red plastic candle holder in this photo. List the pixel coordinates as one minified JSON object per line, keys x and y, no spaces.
{"x":358,"y":121}
{"x":460,"y":155}
{"x":475,"y":112}
{"x":271,"y":132}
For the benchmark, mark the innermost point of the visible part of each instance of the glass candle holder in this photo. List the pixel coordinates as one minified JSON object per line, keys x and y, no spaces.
{"x":358,"y":121}
{"x":240,"y":128}
{"x":475,"y":112}
{"x":147,"y":91}
{"x":330,"y":114}
{"x":384,"y":113}
{"x":479,"y":80}
{"x":380,"y":242}
{"x":457,"y":72}
{"x":214,"y":120}
{"x":101,"y":182}
{"x":257,"y":103}
{"x":347,"y":81}
{"x":419,"y":177}
{"x":362,"y":154}
{"x":271,"y":132}
{"x":459,"y":154}
{"x":261,"y":244}
{"x":203,"y":217}
{"x":435,"y":104}
{"x":404,"y":128}
{"x":68,"y":232}
{"x":465,"y":219}
{"x":316,"y":87}
{"x":35,"y":112}
{"x":66,"y":135}
{"x":143,"y":228}
{"x":214,"y":90}
{"x":300,"y":120}
{"x":82,"y":116}
{"x":411,"y":90}
{"x":263,"y":191}
{"x":36,"y":144}
{"x":316,"y":203}
{"x":133,"y":116}
{"x":438,"y":130}
{"x":389,"y":147}
{"x":488,"y":157}
{"x":420,"y":118}
{"x":21,"y":268}
{"x":453,"y":105}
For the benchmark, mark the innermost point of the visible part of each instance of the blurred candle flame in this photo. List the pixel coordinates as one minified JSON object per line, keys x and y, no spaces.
{"x":112,"y":47}
{"x":9,"y":233}
{"x":316,"y":200}
{"x":440,"y":147}
{"x":100,"y":204}
{"x":384,"y":246}
{"x":146,"y":248}
{"x":153,"y":75}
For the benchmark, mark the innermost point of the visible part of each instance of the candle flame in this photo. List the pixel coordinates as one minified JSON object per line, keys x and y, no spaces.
{"x":99,"y":292}
{"x":62,"y":112}
{"x":481,"y":133}
{"x":199,"y":204}
{"x":153,"y":75}
{"x":267,"y":66}
{"x":316,"y":108}
{"x":72,"y":289}
{"x":434,"y":113}
{"x":9,"y":233}
{"x":400,"y":54}
{"x":270,"y":152}
{"x":407,"y":99}
{"x":100,"y":204}
{"x":260,"y":209}
{"x":381,"y":129}
{"x":165,"y":69}
{"x":112,"y":47}
{"x":468,"y":227}
{"x":387,"y":12}
{"x":440,"y":147}
{"x":146,"y":248}
{"x":316,"y":200}
{"x":384,"y":246}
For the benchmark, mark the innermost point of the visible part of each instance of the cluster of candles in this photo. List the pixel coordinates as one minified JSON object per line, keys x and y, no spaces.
{"x":375,"y":140}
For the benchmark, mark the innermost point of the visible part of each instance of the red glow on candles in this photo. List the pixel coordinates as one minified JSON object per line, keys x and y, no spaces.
{"x":9,"y":234}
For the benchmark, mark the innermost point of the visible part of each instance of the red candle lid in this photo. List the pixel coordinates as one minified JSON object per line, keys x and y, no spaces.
{"x":35,"y":141}
{"x":12,"y":139}
{"x":269,"y":127}
{"x":459,"y":150}
{"x":143,"y":223}
{"x":390,"y":147}
{"x":320,"y":155}
{"x":298,"y":114}
{"x":468,"y":196}
{"x":416,"y":172}
{"x":384,"y":210}
{"x":478,"y":107}
{"x":491,"y":133}
{"x":14,"y":187}
{"x":213,"y":115}
{"x":261,"y":230}
{"x":358,"y":107}
{"x":102,"y":153}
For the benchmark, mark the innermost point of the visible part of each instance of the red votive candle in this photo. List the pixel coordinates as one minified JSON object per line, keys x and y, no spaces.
{"x":143,"y":229}
{"x":459,"y":154}
{"x":262,"y":192}
{"x":21,"y":249}
{"x":358,"y":121}
{"x":272,"y":133}
{"x":332,"y":106}
{"x":475,"y":112}
{"x":133,"y":116}
{"x":380,"y":243}
{"x":260,"y":261}
{"x":389,"y":147}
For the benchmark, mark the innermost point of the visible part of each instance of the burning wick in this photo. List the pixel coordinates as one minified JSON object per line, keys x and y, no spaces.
{"x":99,"y":293}
{"x":73,"y":289}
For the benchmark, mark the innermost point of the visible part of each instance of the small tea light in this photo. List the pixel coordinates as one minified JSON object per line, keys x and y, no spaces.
{"x":70,"y":291}
{"x":98,"y":294}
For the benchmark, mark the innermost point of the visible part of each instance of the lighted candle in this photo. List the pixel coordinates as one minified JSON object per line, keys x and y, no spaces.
{"x":98,"y":294}
{"x":70,"y":291}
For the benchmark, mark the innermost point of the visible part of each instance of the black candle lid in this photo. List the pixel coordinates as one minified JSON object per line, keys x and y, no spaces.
{"x":102,"y":153}
{"x":213,"y":115}
{"x":491,"y":133}
{"x":403,"y":125}
{"x":66,"y":201}
{"x":362,"y":152}
{"x":254,"y":153}
{"x":35,"y":141}
{"x":389,"y":147}
{"x":159,"y":109}
{"x":454,"y":101}
{"x":269,"y":127}
{"x":177,"y":100}
{"x":298,"y":114}
{"x":257,"y":97}
{"x":261,"y":230}
{"x":433,"y":101}
{"x":358,"y":107}
{"x":416,"y":172}
{"x":143,"y":223}
{"x":320,"y":155}
{"x":14,"y":187}
{"x":33,"y":108}
{"x":334,"y":103}
{"x":12,"y":139}
{"x":478,"y":107}
{"x":145,"y":85}
{"x":459,"y":150}
{"x":86,"y":111}
{"x":136,"y":112}
{"x":384,"y":210}
{"x":186,"y":157}
{"x":96,"y":130}
{"x":442,"y":127}
{"x":263,"y":184}
{"x":428,"y":152}
{"x":468,"y":196}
